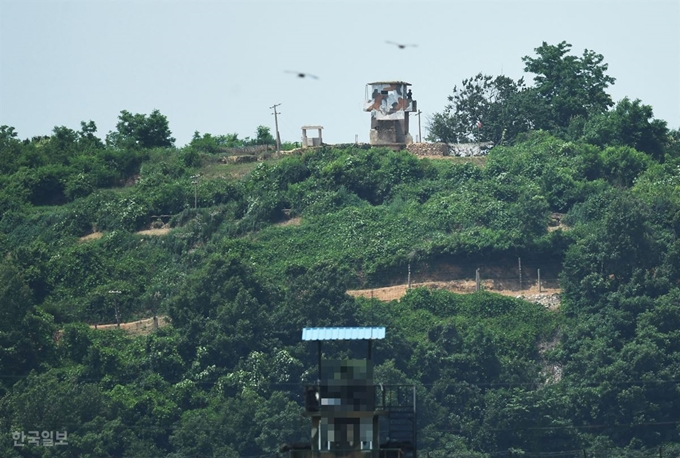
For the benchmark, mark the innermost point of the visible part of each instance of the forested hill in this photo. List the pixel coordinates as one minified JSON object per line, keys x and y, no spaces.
{"x":225,"y":378}
{"x":257,"y":251}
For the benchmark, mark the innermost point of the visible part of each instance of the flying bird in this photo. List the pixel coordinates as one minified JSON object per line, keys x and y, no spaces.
{"x":303,"y":75}
{"x":400,"y":45}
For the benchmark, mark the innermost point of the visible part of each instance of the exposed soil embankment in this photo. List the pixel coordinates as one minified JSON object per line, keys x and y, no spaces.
{"x":137,"y":328}
{"x":549,"y":297}
{"x":506,"y":276}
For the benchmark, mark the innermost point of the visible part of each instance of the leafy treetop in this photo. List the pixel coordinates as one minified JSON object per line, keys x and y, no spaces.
{"x":572,"y":86}
{"x":497,"y":109}
{"x":141,"y":131}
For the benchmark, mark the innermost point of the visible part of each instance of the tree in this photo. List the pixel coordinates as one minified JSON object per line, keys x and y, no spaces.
{"x":622,"y":165}
{"x":673,"y":143}
{"x":619,"y":247}
{"x":87,"y":140}
{"x":214,"y":144}
{"x":497,"y":109}
{"x":141,"y":131}
{"x":281,"y":423}
{"x":570,"y":85}
{"x":223,"y":308}
{"x":628,"y":124}
{"x":25,"y":330}
{"x":264,"y":136}
{"x":10,"y":149}
{"x":486,"y":108}
{"x":314,"y":296}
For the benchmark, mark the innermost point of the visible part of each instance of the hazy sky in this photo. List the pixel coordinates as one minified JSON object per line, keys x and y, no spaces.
{"x":218,"y":66}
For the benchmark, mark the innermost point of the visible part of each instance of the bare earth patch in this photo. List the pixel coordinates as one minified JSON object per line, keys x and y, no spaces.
{"x":93,"y":236}
{"x":291,"y":222}
{"x":98,"y":235}
{"x":556,"y":222}
{"x":160,"y":231}
{"x":136,"y":328}
{"x":547,"y":296}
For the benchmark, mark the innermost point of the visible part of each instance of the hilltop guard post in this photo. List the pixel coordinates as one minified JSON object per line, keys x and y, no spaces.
{"x":390,"y":103}
{"x":351,"y":417}
{"x":311,"y":141}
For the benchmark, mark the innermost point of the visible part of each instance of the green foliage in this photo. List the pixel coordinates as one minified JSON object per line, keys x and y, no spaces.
{"x":622,"y":165}
{"x":41,"y":186}
{"x":26,"y":331}
{"x":370,"y":174}
{"x":672,"y":144}
{"x":208,"y":143}
{"x":568,"y":90}
{"x":619,"y":245}
{"x":224,"y":305}
{"x":214,"y":144}
{"x":141,"y":131}
{"x":486,"y":109}
{"x":628,"y":124}
{"x":571,"y":86}
{"x":10,"y":148}
{"x":264,"y":136}
{"x":276,"y":248}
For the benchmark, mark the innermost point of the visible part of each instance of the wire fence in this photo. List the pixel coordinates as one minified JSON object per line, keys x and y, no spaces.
{"x":250,"y":149}
{"x":503,"y":278}
{"x":490,"y":274}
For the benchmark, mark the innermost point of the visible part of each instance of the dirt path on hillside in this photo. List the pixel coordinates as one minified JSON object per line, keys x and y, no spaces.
{"x":157,"y":231}
{"x":136,"y":328}
{"x":153,"y":231}
{"x":547,"y":296}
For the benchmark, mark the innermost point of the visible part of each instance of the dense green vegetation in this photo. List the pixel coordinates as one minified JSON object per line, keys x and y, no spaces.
{"x":568,"y":98}
{"x":494,"y":374}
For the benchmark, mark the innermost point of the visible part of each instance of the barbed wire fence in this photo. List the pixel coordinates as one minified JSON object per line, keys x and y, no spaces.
{"x":466,"y":277}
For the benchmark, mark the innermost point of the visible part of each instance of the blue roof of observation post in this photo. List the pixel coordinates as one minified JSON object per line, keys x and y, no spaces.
{"x":343,"y":333}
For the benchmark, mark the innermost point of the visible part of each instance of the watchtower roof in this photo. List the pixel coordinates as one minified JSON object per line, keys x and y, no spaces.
{"x":391,"y":82}
{"x":343,"y":333}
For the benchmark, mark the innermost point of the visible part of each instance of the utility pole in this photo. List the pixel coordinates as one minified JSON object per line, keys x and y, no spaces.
{"x":116,"y":306}
{"x":409,"y":276}
{"x":156,"y":299}
{"x":276,"y":122}
{"x":519,"y":264}
{"x":420,"y":136}
{"x":194,"y":181}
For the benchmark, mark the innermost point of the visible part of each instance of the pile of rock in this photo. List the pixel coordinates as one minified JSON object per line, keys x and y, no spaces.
{"x":469,"y":149}
{"x":428,"y":149}
{"x":450,"y":149}
{"x":551,"y":301}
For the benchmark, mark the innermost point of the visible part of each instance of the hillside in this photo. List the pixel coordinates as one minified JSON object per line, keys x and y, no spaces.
{"x":239,"y":256}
